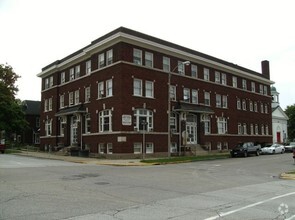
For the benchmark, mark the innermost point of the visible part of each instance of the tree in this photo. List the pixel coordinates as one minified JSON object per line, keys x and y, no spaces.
{"x":290,"y":112}
{"x":11,"y":115}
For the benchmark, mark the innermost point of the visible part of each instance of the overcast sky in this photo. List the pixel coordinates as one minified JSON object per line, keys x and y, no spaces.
{"x":35,"y":33}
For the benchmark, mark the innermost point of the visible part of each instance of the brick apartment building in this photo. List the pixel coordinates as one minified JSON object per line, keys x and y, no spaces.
{"x":112,"y":97}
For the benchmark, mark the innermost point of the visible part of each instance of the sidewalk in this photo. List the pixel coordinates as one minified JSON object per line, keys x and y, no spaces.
{"x":83,"y":160}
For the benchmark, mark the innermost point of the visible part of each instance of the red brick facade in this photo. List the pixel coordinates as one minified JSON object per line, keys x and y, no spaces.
{"x":132,"y":86}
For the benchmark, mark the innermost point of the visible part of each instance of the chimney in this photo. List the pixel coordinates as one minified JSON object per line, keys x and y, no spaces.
{"x":265,"y":68}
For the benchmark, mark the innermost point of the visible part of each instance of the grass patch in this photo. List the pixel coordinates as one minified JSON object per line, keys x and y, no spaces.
{"x":185,"y":159}
{"x":11,"y":151}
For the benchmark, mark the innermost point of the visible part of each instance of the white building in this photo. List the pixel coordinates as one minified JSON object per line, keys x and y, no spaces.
{"x":279,"y":119}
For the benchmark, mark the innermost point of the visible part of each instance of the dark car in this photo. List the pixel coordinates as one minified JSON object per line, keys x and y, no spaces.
{"x":244,"y":149}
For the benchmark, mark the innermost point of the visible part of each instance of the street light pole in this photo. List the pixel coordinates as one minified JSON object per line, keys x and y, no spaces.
{"x":169,"y":105}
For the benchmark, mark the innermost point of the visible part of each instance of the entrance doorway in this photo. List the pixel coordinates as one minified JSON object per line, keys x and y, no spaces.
{"x":278,"y":137}
{"x":191,"y":129}
{"x":74,"y":130}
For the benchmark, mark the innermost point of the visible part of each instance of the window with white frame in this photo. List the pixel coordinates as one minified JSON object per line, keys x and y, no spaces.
{"x":217,"y":77}
{"x":244,"y":84}
{"x":207,"y":98}
{"x":48,"y":127}
{"x":88,"y":67}
{"x":265,"y":109}
{"x":72,"y":74}
{"x":261,"y":108}
{"x":223,"y":79}
{"x":137,"y":87}
{"x":149,"y":148}
{"x":137,"y":148}
{"x":109,"y":88}
{"x":195,"y":98}
{"x":105,"y":121}
{"x":265,"y":90}
{"x":256,"y":129}
{"x":149,"y":89}
{"x":50,"y":81}
{"x":137,"y":56}
{"x":262,"y":129}
{"x":143,"y":120}
{"x":251,"y":129}
{"x":261,"y":89}
{"x":244,"y":128}
{"x":87,"y":122}
{"x":71,"y":98}
{"x":206,"y":74}
{"x":244,"y":105}
{"x":194,"y":71}
{"x":253,"y":87}
{"x":62,"y":124}
{"x":101,"y":148}
{"x":109,"y":57}
{"x":46,"y":83}
{"x":207,"y":123}
{"x":87,"y":94}
{"x":77,"y":97}
{"x":186,"y":95}
{"x":222,"y":125}
{"x":109,"y":148}
{"x":173,"y":92}
{"x":240,"y":128}
{"x":101,"y":60}
{"x":50,"y":104}
{"x":45,"y":105}
{"x":149,"y":59}
{"x":100,"y":90}
{"x":238,"y":104}
{"x":180,"y":67}
{"x":77,"y":71}
{"x":173,"y":122}
{"x":266,"y":130}
{"x":218,"y":100}
{"x":235,"y":82}
{"x":166,"y":64}
{"x":224,"y":101}
{"x":62,"y":77}
{"x":251,"y":106}
{"x":255,"y":107}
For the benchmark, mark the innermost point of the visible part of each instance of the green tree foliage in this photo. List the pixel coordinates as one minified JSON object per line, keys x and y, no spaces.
{"x":11,"y":115}
{"x":290,"y":112}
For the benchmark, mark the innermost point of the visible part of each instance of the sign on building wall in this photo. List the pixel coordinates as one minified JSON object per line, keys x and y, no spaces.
{"x":126,"y":120}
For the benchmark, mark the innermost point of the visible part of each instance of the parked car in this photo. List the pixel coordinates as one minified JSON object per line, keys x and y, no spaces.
{"x":273,"y":149}
{"x":290,"y":147}
{"x":244,"y":149}
{"x":2,"y":146}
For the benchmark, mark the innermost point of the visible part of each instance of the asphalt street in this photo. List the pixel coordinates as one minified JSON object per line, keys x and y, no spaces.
{"x":236,"y":188}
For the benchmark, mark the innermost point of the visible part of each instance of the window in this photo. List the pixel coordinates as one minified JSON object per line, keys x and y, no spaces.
{"x":207,"y":125}
{"x":77,"y":71}
{"x":77,"y":97}
{"x":101,"y":60}
{"x":261,"y":89}
{"x":239,"y":104}
{"x":173,"y":122}
{"x":240,"y":128}
{"x":244,"y":84}
{"x":244,"y":105}
{"x":251,"y":106}
{"x":207,"y":98}
{"x":137,"y":56}
{"x":195,"y":96}
{"x":218,"y":101}
{"x":180,"y":67}
{"x":224,"y":101}
{"x":61,"y":101}
{"x":255,"y":107}
{"x":253,"y":86}
{"x":109,"y":88}
{"x":265,"y":90}
{"x":50,"y":104}
{"x":235,"y":82}
{"x":261,"y":108}
{"x":45,"y":105}
{"x":223,"y":79}
{"x":244,"y":128}
{"x":256,"y":129}
{"x":109,"y":148}
{"x":149,"y":89}
{"x":62,"y":124}
{"x":137,"y":87}
{"x":101,"y":149}
{"x":149,"y":148}
{"x":72,"y":74}
{"x":262,"y":129}
{"x":206,"y":74}
{"x":186,"y":95}
{"x":71,"y":98}
{"x":166,"y":64}
{"x":173,"y":93}
{"x":265,"y":109}
{"x":88,"y":67}
{"x":50,"y":81}
{"x":87,"y":123}
{"x":221,"y":125}
{"x":266,"y":130}
{"x":217,"y":77}
{"x":149,"y":59}
{"x":46,"y":83}
{"x":105,"y":121}
{"x":100,"y":88}
{"x":143,"y":118}
{"x":48,"y":127}
{"x":194,"y":71}
{"x":251,"y":129}
{"x":62,"y":77}
{"x":109,"y":57}
{"x":137,"y":148}
{"x":87,"y":94}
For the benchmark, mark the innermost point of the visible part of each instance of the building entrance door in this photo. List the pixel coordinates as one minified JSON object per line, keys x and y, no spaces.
{"x":191,"y":129}
{"x":278,"y":137}
{"x":74,"y":130}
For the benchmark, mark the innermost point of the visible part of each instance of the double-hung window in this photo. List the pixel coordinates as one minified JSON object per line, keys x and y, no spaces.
{"x":195,"y":99}
{"x":88,"y":67}
{"x":217,"y":77}
{"x":180,"y":67}
{"x":244,"y":84}
{"x":87,"y":123}
{"x":77,"y":71}
{"x":221,"y":125}
{"x":62,"y":78}
{"x":149,"y":59}
{"x":77,"y":97}
{"x":149,"y":89}
{"x":105,"y":121}
{"x":109,"y":57}
{"x":137,"y":87}
{"x":207,"y":98}
{"x":87,"y":94}
{"x":194,"y":70}
{"x":253,"y":86}
{"x":137,"y":56}
{"x":71,"y":98}
{"x":166,"y":64}
{"x":173,"y":93}
{"x":61,"y":101}
{"x":224,"y":101}
{"x":186,"y":95}
{"x":206,"y":74}
{"x":223,"y":79}
{"x":218,"y":100}
{"x":207,"y":123}
{"x":235,"y":82}
{"x":100,"y":89}
{"x":72,"y":74}
{"x":109,"y":87}
{"x":101,"y":60}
